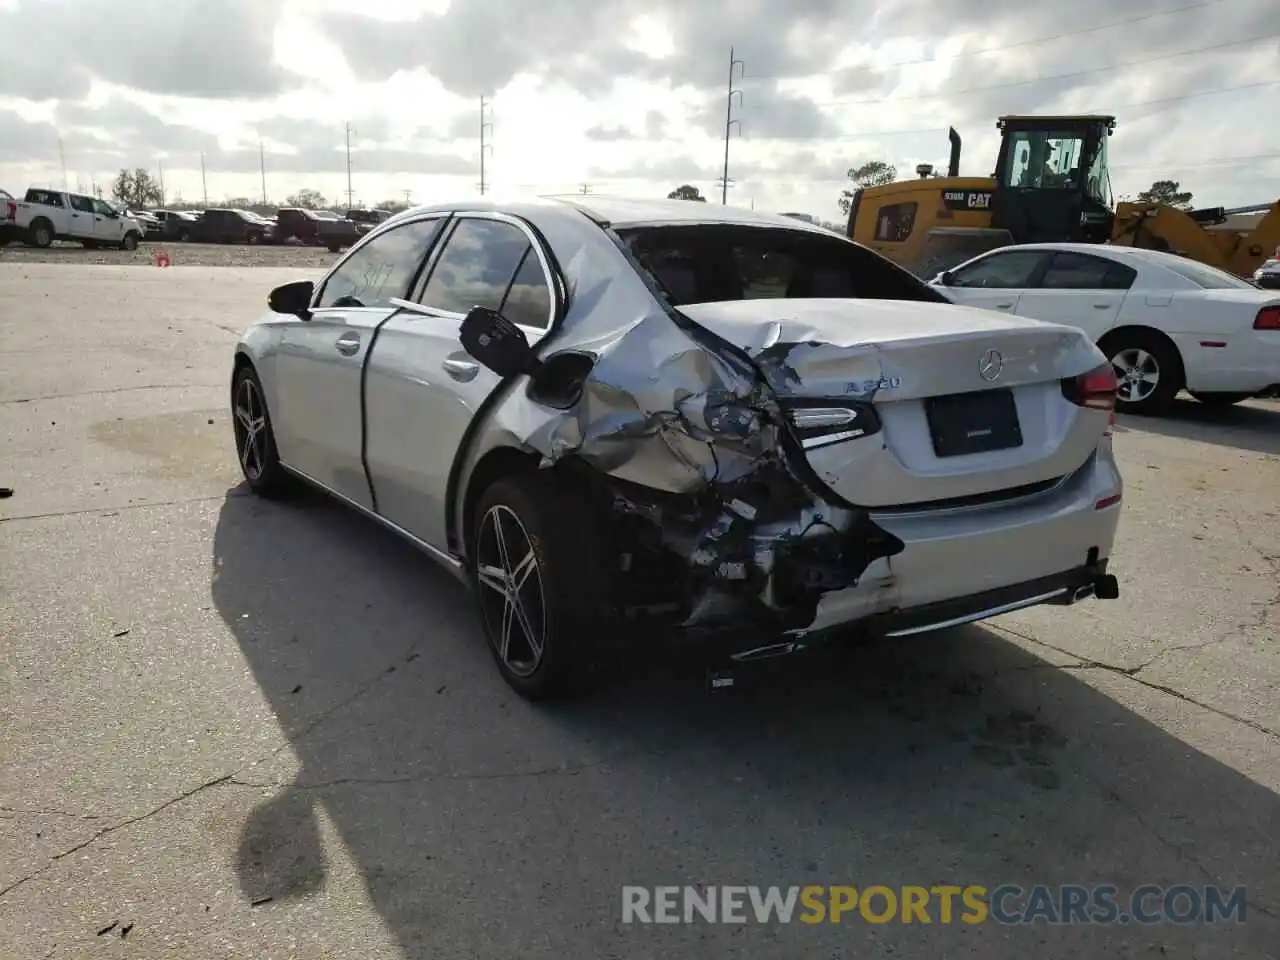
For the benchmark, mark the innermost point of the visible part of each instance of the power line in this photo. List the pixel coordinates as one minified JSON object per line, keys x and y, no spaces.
{"x":1019,"y":43}
{"x":1057,"y":76}
{"x":1110,"y":108}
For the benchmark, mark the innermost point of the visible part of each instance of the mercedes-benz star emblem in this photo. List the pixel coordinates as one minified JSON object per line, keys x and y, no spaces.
{"x":990,"y":365}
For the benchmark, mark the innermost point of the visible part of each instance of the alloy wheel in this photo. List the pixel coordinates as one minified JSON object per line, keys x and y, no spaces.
{"x":250,"y":426}
{"x":511,"y":591}
{"x":1138,"y":373}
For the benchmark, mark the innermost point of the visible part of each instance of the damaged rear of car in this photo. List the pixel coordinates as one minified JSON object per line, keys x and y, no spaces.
{"x":745,"y":426}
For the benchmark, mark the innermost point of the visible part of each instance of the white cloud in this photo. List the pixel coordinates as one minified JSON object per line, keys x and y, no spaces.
{"x":585,"y":91}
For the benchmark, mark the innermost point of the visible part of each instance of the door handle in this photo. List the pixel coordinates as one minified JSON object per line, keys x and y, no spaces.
{"x":1102,"y":306}
{"x":348,"y":344}
{"x":1004,"y":306}
{"x":461,"y":370}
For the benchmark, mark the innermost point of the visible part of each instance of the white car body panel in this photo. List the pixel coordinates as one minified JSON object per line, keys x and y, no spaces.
{"x":1212,"y":328}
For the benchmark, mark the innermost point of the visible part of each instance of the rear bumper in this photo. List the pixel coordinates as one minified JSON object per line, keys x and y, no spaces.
{"x":968,"y":563}
{"x":1249,"y":363}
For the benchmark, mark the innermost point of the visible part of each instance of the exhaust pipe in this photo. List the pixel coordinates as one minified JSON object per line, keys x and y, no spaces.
{"x":953,"y":165}
{"x":1082,"y":593}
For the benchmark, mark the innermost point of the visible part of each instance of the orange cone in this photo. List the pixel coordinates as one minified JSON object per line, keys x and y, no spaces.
{"x":162,"y":259}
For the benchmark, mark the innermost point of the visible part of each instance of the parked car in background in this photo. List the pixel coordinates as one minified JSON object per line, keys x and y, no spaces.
{"x":8,"y":233}
{"x":224,"y":225}
{"x":45,"y":215}
{"x":176,"y":224}
{"x":150,"y":223}
{"x":320,"y":228}
{"x":586,"y":408}
{"x":1166,"y":323}
{"x":367,"y":219}
{"x":1267,"y":276}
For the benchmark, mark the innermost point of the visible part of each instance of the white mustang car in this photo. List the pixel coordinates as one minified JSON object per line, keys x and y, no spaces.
{"x":1166,"y":323}
{"x":617,"y":418}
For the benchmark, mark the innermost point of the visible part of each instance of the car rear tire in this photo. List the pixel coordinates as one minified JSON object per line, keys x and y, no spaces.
{"x":255,"y":440}
{"x":539,"y":579}
{"x":253,"y":239}
{"x":1149,"y":369}
{"x":130,"y":241}
{"x":334,"y":248}
{"x":40,"y":233}
{"x":1221,"y":399}
{"x":184,"y":236}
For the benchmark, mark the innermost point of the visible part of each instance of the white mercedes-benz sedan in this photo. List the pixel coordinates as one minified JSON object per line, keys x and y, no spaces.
{"x":1167,"y":323}
{"x":621,"y":420}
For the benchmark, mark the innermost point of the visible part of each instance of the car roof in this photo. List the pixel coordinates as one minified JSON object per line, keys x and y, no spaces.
{"x":618,"y":211}
{"x":1122,"y":254}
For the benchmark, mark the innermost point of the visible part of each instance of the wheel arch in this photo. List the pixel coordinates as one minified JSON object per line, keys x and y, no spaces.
{"x":495,"y":464}
{"x":1140,"y":329}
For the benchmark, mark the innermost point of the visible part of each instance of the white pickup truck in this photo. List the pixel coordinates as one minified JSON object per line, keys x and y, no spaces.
{"x":43,"y":216}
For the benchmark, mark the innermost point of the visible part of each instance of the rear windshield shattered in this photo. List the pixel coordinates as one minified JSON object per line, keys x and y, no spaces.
{"x":712,"y":264}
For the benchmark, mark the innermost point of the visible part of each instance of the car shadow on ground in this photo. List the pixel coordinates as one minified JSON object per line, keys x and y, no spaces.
{"x":485,"y":826}
{"x":1250,"y":426}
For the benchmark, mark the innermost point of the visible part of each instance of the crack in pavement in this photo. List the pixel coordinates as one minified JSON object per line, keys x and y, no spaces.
{"x":1131,"y":673}
{"x":112,"y":828}
{"x":560,"y":770}
{"x":127,"y":506}
{"x":106,"y":390}
{"x":12,"y":813}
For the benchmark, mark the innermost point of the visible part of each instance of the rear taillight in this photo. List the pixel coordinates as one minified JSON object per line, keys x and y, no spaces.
{"x":11,"y":211}
{"x":1095,"y":389}
{"x":1268,"y":319}
{"x":818,"y":423}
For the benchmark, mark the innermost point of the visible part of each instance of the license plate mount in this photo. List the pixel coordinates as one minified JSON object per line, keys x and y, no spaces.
{"x":967,"y":423}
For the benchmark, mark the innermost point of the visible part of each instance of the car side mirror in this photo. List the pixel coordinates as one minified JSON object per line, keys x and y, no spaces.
{"x":946,"y":278}
{"x":497,"y":343}
{"x":292,"y":298}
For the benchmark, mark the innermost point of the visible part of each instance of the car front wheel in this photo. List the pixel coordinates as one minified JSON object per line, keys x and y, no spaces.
{"x":539,"y":581}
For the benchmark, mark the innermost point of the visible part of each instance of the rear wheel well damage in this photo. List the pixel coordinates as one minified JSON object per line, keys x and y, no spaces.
{"x":241,"y":361}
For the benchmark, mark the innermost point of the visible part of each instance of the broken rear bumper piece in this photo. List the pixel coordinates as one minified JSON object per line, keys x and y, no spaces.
{"x":693,"y":437}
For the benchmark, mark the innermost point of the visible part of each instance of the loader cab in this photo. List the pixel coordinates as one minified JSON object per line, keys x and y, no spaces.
{"x":1053,"y":182}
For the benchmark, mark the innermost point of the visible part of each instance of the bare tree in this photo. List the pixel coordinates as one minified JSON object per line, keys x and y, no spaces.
{"x":136,"y":188}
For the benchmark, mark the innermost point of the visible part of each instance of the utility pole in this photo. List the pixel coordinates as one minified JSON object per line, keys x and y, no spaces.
{"x":262,"y":166}
{"x":204,"y":182}
{"x":350,"y":192}
{"x":585,"y":189}
{"x":62,"y":156}
{"x":160,"y":170}
{"x":406,"y":197}
{"x":486,"y":126}
{"x":729,"y":121}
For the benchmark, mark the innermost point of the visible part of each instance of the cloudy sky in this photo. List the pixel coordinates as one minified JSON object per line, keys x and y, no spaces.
{"x":623,"y":97}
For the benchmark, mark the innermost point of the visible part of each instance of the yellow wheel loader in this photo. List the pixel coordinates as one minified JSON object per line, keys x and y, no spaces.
{"x":1051,"y":183}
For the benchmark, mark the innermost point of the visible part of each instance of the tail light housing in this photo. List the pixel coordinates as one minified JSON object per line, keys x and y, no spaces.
{"x":1268,"y":319}
{"x":11,"y":211}
{"x":818,"y":423}
{"x":1095,"y":389}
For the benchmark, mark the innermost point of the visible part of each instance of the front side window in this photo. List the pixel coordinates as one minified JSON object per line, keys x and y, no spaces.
{"x":83,"y":204}
{"x":480,"y":260}
{"x":1000,"y":271}
{"x":381,"y":269}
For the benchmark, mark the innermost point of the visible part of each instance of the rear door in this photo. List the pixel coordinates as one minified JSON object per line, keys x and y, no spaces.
{"x":1080,"y":290}
{"x":996,"y":281}
{"x":318,"y":418}
{"x":422,"y":389}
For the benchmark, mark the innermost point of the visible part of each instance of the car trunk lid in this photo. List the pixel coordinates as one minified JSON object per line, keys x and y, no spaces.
{"x":948,"y":401}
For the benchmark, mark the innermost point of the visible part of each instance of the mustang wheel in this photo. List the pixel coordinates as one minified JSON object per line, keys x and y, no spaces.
{"x":539,"y":584}
{"x":1148,"y":369}
{"x":255,"y":443}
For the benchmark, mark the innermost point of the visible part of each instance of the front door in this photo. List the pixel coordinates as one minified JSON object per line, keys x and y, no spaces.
{"x":318,"y":419}
{"x":423,"y":390}
{"x":81,"y":218}
{"x":996,"y":281}
{"x":107,"y":225}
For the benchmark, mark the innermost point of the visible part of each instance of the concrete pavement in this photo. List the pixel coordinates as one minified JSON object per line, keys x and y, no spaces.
{"x":241,"y":729}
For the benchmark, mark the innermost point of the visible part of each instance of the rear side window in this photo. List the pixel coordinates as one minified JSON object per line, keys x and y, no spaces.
{"x":489,"y":263}
{"x":721,"y":262}
{"x":382,"y":269}
{"x":1078,"y":271}
{"x":46,"y":198}
{"x":1203,"y":275}
{"x":83,"y":204}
